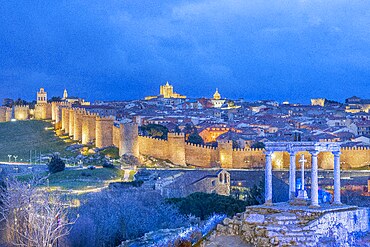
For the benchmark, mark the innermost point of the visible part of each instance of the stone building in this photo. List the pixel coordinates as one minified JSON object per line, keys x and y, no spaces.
{"x":217,"y":101}
{"x":318,"y":102}
{"x":166,"y":91}
{"x":183,"y":184}
{"x":42,"y":97}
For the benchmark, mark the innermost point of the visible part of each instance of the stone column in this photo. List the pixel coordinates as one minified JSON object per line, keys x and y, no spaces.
{"x":292,"y":173}
{"x":337,"y":177}
{"x":268,"y":178}
{"x":314,"y":180}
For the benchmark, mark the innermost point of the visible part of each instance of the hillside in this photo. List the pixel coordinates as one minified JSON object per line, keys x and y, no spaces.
{"x":18,"y":138}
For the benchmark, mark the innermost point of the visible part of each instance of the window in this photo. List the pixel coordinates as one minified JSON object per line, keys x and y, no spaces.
{"x":213,"y":183}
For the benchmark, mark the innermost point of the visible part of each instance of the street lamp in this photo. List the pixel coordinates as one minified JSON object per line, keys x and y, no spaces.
{"x":10,"y":156}
{"x":15,"y":158}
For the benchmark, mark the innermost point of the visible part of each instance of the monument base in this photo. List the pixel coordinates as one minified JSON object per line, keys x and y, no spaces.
{"x":284,"y":224}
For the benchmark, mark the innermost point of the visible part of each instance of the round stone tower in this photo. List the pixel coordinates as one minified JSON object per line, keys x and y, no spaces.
{"x":104,"y":131}
{"x":65,"y":120}
{"x":88,"y":127}
{"x":71,"y":121}
{"x":129,"y":139}
{"x":225,"y":149}
{"x":77,"y":127}
{"x":21,"y":112}
{"x":176,"y":148}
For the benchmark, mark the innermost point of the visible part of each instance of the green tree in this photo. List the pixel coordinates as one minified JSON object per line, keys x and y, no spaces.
{"x":55,"y":99}
{"x":195,"y":138}
{"x":154,"y":130}
{"x":258,"y":145}
{"x":235,"y":144}
{"x":188,"y":129}
{"x":56,"y":164}
{"x":204,"y":205}
{"x":177,"y":129}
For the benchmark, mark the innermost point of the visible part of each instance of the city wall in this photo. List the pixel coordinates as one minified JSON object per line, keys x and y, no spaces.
{"x":89,"y":127}
{"x":5,"y":114}
{"x":225,"y":156}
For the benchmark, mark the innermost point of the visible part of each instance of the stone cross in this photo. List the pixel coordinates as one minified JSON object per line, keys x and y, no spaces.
{"x":302,"y":194}
{"x":302,"y":161}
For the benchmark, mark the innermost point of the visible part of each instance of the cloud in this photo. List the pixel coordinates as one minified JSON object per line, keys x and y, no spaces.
{"x":126,"y":45}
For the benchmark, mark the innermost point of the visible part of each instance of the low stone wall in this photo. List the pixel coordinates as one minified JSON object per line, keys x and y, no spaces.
{"x":280,"y":226}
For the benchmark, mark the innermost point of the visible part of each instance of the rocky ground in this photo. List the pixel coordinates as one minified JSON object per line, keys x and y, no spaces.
{"x":222,"y":241}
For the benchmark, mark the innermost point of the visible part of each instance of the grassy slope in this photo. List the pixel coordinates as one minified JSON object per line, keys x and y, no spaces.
{"x":82,"y":179}
{"x":18,"y":138}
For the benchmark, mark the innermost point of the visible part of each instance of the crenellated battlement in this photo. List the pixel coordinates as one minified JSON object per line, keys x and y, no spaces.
{"x":248,"y":149}
{"x":90,"y":114}
{"x":153,"y":138}
{"x":355,"y":148}
{"x":200,"y":146}
{"x":174,"y":134}
{"x":21,"y":107}
{"x":104,"y":118}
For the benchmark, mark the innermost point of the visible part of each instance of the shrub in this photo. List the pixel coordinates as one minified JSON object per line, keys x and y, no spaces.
{"x":56,"y":164}
{"x":204,"y":205}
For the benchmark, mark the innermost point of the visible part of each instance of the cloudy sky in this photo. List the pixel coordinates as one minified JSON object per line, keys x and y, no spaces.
{"x":124,"y":49}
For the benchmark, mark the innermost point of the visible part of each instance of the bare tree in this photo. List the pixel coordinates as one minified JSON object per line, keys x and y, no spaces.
{"x":33,"y":216}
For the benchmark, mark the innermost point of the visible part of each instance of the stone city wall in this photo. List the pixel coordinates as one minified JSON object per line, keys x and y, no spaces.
{"x":157,"y":148}
{"x":5,"y":114}
{"x":176,"y":150}
{"x":227,"y":157}
{"x":201,"y":156}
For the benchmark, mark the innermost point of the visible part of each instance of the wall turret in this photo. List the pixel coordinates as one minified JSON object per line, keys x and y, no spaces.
{"x":225,"y":149}
{"x":88,"y":127}
{"x":71,"y":121}
{"x":21,"y":112}
{"x":176,"y":146}
{"x":129,"y":139}
{"x":77,"y":124}
{"x":104,"y":131}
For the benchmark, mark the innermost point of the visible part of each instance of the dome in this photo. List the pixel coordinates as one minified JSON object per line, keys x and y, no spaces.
{"x":217,"y":95}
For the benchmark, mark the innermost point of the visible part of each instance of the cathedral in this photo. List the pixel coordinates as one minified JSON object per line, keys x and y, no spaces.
{"x":166,"y":91}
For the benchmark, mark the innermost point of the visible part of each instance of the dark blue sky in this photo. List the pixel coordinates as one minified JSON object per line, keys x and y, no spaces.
{"x":111,"y":49}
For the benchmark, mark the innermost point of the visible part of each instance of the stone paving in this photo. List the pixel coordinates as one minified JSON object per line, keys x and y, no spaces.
{"x":285,"y":225}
